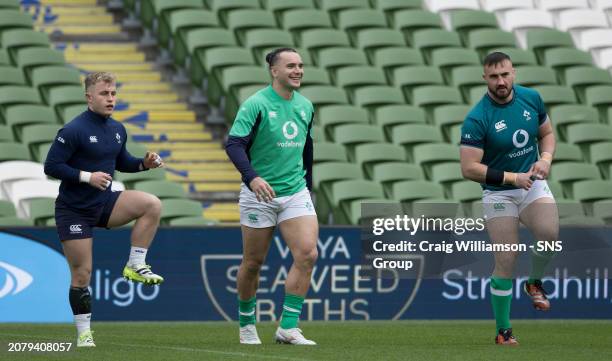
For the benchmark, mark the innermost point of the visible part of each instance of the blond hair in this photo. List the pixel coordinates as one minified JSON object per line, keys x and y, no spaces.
{"x":102,"y":76}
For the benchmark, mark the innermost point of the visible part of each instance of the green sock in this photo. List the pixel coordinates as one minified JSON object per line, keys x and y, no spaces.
{"x":501,"y":297}
{"x":246,"y":311}
{"x":291,"y":311}
{"x":539,"y":261}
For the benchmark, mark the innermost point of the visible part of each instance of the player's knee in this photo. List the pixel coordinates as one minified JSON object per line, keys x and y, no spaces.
{"x":252,"y":266}
{"x":81,"y":276}
{"x":308,"y":258}
{"x":153,"y":205}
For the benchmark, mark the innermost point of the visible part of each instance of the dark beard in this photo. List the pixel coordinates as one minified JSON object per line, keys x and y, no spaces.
{"x":501,"y":97}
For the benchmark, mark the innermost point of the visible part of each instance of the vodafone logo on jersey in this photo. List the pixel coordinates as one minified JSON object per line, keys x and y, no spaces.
{"x":290,"y":130}
{"x":522,"y":134}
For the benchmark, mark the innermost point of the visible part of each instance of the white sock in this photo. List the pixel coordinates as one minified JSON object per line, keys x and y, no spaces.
{"x":137,"y":256}
{"x":82,"y":322}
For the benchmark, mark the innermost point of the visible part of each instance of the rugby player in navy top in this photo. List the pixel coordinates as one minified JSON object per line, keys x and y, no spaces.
{"x":84,"y":156}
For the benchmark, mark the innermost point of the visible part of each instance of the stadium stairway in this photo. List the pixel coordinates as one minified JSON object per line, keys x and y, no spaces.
{"x":151,"y":110}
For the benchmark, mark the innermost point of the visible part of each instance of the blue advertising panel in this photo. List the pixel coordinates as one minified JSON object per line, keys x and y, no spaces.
{"x":200,"y":267}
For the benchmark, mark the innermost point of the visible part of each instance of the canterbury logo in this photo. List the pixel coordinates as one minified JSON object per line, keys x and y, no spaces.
{"x":75,"y":228}
{"x":17,"y":280}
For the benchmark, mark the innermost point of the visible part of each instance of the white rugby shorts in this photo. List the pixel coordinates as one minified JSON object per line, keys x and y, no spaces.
{"x":511,"y":203}
{"x":256,"y":214}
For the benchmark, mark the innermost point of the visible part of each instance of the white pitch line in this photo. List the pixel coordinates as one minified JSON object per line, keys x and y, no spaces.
{"x":174,"y":348}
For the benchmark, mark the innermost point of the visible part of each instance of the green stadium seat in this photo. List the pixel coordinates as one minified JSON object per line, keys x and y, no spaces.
{"x":374,"y":208}
{"x":6,"y":134}
{"x":321,"y":95}
{"x":9,"y":4}
{"x":323,"y":176}
{"x":562,"y":58}
{"x":14,"y":94}
{"x":539,"y":40}
{"x":299,"y":20}
{"x":332,"y":59}
{"x":14,"y":19}
{"x":556,"y":95}
{"x":431,"y":96}
{"x":353,"y":77}
{"x":430,"y":39}
{"x":242,"y":20}
{"x":410,"y":135}
{"x":129,"y":179}
{"x":600,"y":97}
{"x":344,"y":193}
{"x":329,"y":152}
{"x":7,"y":209}
{"x":408,"y":78}
{"x":426,"y":155}
{"x":414,"y":190}
{"x":238,"y":76}
{"x":317,"y":39}
{"x":41,"y":210}
{"x":31,"y":58}
{"x":581,"y":221}
{"x":63,"y":96}
{"x":192,"y":222}
{"x":4,"y":58}
{"x":600,"y":154}
{"x":370,"y":40}
{"x":15,"y":222}
{"x":592,"y":190}
{"x":485,"y":40}
{"x":390,"y":172}
{"x":449,"y":58}
{"x":259,"y":39}
{"x":156,"y":10}
{"x":466,"y":78}
{"x":446,"y":174}
{"x":351,"y":135}
{"x":434,"y":208}
{"x":391,"y":115}
{"x":318,"y":134}
{"x":565,"y":152}
{"x":519,"y":57}
{"x":390,"y":7}
{"x":410,"y":21}
{"x":210,"y":64}
{"x":586,"y":134}
{"x":174,"y":208}
{"x":72,"y":111}
{"x":446,"y":116}
{"x":161,"y":188}
{"x":353,"y":20}
{"x":393,"y":57}
{"x":534,"y":75}
{"x":581,"y":77}
{"x":33,"y":135}
{"x":11,"y":76}
{"x":315,"y":76}
{"x":368,"y":155}
{"x":603,"y":210}
{"x":476,"y":93}
{"x":375,"y":96}
{"x":14,"y":151}
{"x":333,"y":115}
{"x":42,"y":150}
{"x":568,"y":208}
{"x":179,"y":21}
{"x":333,"y":7}
{"x":466,"y":191}
{"x":13,"y":40}
{"x":567,"y":173}
{"x":222,"y":7}
{"x":45,"y":77}
{"x":564,"y":115}
{"x":280,"y":7}
{"x":195,"y":42}
{"x":464,"y":21}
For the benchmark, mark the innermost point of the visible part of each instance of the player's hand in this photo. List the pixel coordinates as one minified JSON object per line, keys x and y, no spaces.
{"x":152,"y":160}
{"x":262,"y":190}
{"x":540,"y":169}
{"x":524,"y":181}
{"x":100,"y":180}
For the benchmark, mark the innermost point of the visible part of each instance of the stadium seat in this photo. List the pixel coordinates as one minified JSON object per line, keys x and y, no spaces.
{"x":370,"y":154}
{"x":390,"y":7}
{"x":259,"y":39}
{"x":446,"y":116}
{"x":565,"y":152}
{"x":321,"y":95}
{"x":333,"y":115}
{"x":15,"y":222}
{"x":464,"y":21}
{"x":408,"y":78}
{"x":13,"y":40}
{"x":446,"y":174}
{"x":390,"y":172}
{"x":221,"y":7}
{"x":592,"y":190}
{"x":324,"y":175}
{"x":335,"y":6}
{"x":409,"y":135}
{"x":63,"y":96}
{"x":160,"y":188}
{"x":14,"y":19}
{"x":351,"y":135}
{"x":600,"y":97}
{"x":157,"y":10}
{"x":466,"y":78}
{"x":576,"y":20}
{"x":343,"y":193}
{"x":7,"y":209}
{"x":370,"y":40}
{"x":315,"y":40}
{"x":329,"y":152}
{"x":414,"y":190}
{"x":603,"y":210}
{"x":14,"y":151}
{"x":195,"y":42}
{"x":4,"y":58}
{"x":6,"y":134}
{"x":353,"y":20}
{"x":601,"y":155}
{"x":499,"y":6}
{"x":426,"y":155}
{"x":540,"y":40}
{"x":393,"y":57}
{"x":520,"y":21}
{"x":129,"y":179}
{"x":485,"y":40}
{"x":16,"y":94}
{"x":449,"y":58}
{"x":354,"y":77}
{"x":410,"y":21}
{"x":174,"y":208}
{"x":564,"y":115}
{"x":315,"y":76}
{"x":466,"y":191}
{"x":179,"y":21}
{"x":12,"y":171}
{"x":569,"y":172}
{"x":391,"y":115}
{"x":280,"y":7}
{"x":18,"y":116}
{"x":586,"y":134}
{"x":297,"y":21}
{"x":332,"y":59}
{"x":428,"y":40}
{"x":72,"y":111}
{"x":563,"y":58}
{"x":41,"y":210}
{"x":35,"y":134}
{"x":192,"y":222}
{"x":23,"y":191}
{"x":241,"y":21}
{"x":581,"y":77}
{"x":45,"y":77}
{"x":11,"y":76}
{"x":318,"y":134}
{"x":210,"y":64}
{"x":373,"y":208}
{"x":375,"y":96}
{"x":431,"y":96}
{"x":555,"y":95}
{"x":231,"y":78}
{"x":533,"y":75}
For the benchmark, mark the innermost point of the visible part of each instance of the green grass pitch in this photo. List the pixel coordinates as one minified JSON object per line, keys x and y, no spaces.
{"x":377,"y":340}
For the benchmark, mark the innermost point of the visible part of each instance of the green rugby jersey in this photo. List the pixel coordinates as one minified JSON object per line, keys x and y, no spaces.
{"x":279,"y":129}
{"x":507,"y":133}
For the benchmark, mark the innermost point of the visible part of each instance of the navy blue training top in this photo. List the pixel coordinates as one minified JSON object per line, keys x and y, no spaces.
{"x":91,"y":143}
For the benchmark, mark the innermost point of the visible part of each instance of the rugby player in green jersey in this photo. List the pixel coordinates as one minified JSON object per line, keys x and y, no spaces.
{"x":507,"y":145}
{"x":271,"y":145}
